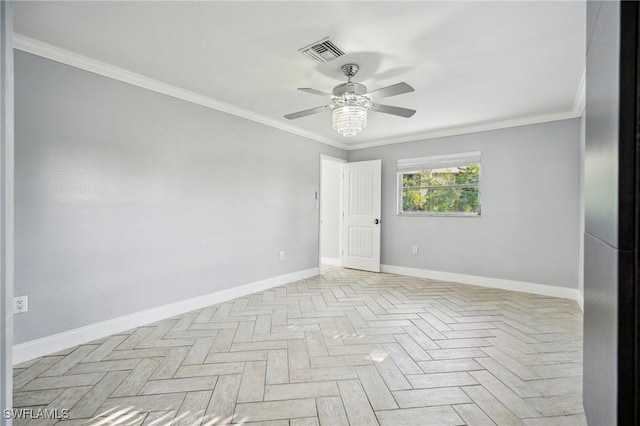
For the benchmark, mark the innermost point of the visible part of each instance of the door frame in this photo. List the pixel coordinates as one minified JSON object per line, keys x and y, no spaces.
{"x":628,"y":216}
{"x":340,"y":161}
{"x":6,"y":209}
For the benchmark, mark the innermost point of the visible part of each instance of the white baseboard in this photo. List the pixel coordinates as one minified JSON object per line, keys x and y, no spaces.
{"x":521,"y":286}
{"x":57,"y":342}
{"x":334,"y":261}
{"x":580,"y":300}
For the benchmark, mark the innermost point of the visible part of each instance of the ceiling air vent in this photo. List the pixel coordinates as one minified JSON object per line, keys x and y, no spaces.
{"x":322,"y":51}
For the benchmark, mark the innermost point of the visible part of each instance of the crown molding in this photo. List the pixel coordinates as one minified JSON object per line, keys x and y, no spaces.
{"x":462,"y":130}
{"x":581,"y":95}
{"x":75,"y":60}
{"x":54,"y":53}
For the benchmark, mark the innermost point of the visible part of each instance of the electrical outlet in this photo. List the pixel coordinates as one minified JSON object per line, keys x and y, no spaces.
{"x":20,"y":304}
{"x":281,"y":255}
{"x":414,"y":250}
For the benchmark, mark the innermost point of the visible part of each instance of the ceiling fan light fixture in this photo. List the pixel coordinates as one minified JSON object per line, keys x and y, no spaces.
{"x":350,"y":102}
{"x":349,"y":120}
{"x":349,"y":113}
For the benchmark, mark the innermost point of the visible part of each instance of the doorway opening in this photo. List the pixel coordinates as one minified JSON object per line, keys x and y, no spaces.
{"x":330,"y":213}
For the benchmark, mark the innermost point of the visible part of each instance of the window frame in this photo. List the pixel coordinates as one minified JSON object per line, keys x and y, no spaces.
{"x":434,"y":162}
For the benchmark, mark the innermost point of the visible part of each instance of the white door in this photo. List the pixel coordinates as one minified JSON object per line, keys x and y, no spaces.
{"x":361,"y":234}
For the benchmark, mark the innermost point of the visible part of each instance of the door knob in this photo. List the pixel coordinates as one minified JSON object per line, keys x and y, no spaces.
{"x":376,"y":221}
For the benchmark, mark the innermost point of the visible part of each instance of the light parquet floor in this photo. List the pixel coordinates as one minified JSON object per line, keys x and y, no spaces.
{"x":344,"y":348}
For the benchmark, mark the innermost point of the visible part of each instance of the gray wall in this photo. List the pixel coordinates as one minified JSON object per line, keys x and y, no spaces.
{"x":127,"y":199}
{"x":330,"y":210}
{"x":601,"y":213}
{"x":529,"y":227}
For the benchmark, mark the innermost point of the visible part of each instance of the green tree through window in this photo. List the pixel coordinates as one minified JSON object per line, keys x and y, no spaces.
{"x":447,"y":190}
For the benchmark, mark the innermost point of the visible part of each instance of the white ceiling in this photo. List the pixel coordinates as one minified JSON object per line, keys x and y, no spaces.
{"x":474,"y":65}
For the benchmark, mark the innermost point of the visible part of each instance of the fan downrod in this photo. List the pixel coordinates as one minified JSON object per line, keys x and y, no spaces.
{"x":350,"y":70}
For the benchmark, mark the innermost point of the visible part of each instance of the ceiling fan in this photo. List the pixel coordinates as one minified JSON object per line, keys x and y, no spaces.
{"x":350,"y":102}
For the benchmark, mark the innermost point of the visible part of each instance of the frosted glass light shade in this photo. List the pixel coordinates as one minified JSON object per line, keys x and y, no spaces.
{"x":349,"y":120}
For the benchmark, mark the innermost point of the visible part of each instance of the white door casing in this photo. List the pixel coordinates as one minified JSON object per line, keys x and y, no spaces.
{"x":362,"y":185}
{"x":335,"y":193}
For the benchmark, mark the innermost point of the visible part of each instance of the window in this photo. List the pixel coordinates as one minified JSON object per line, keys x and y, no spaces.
{"x":443,"y":185}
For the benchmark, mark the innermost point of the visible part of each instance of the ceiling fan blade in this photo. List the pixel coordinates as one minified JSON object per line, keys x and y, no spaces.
{"x":393,"y":90}
{"x":315,"y":92}
{"x":306,"y":112}
{"x":388,"y":109}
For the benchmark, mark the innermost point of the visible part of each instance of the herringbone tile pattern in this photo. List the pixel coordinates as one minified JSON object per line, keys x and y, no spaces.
{"x":344,"y":348}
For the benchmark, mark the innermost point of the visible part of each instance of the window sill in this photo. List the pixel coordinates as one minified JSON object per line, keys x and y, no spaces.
{"x":438,"y":215}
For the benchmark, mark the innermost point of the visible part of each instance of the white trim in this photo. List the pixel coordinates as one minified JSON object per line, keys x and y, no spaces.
{"x":462,"y":130}
{"x":7,"y":189}
{"x":437,"y":161}
{"x":333,"y":261}
{"x":581,"y":95}
{"x":66,"y":57}
{"x":341,"y":162}
{"x":434,"y":162}
{"x":512,"y":285}
{"x":334,"y":159}
{"x":50,"y":344}
{"x":580,"y":300}
{"x":582,"y":216}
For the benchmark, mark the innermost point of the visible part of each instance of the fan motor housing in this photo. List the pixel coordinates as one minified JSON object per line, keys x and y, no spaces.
{"x":355,"y":88}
